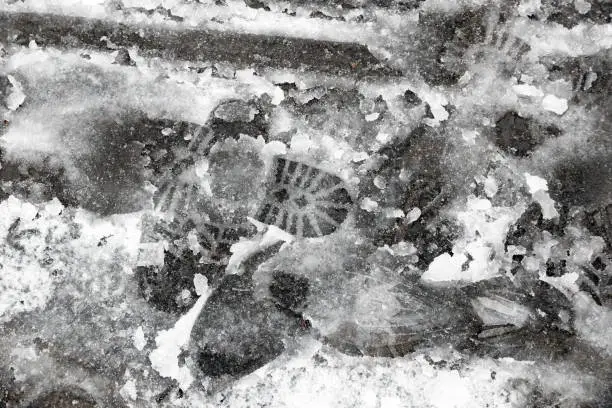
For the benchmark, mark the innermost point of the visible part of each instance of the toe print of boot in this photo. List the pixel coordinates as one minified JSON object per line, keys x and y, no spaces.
{"x":217,"y":238}
{"x":501,"y":37}
{"x":304,"y":200}
{"x":175,"y":197}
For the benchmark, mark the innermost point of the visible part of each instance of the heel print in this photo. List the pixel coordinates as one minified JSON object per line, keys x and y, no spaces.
{"x":304,"y":201}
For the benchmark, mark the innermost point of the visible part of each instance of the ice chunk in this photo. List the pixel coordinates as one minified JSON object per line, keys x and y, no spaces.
{"x":164,"y":359}
{"x":535,"y":183}
{"x":538,"y":188}
{"x":554,"y":104}
{"x":444,"y":268}
{"x":369,"y":205}
{"x":139,"y":339}
{"x":527,"y":91}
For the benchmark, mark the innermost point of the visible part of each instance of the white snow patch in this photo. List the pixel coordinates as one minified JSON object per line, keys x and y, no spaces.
{"x":128,"y":391}
{"x":164,"y":359}
{"x":529,"y":91}
{"x":380,"y":182}
{"x":139,"y":338}
{"x":383,"y":137}
{"x":538,"y":188}
{"x":393,"y":213}
{"x":403,"y":248}
{"x":535,"y":183}
{"x":456,"y":391}
{"x":485,"y":228}
{"x":469,"y":136}
{"x":413,"y":215}
{"x":444,"y":268}
{"x":496,"y":310}
{"x":16,"y":98}
{"x":368,"y":204}
{"x":582,"y":6}
{"x":244,"y":249}
{"x":490,"y":186}
{"x":372,"y":117}
{"x":480,"y":204}
{"x":360,"y":156}
{"x":200,"y":283}
{"x":553,"y":104}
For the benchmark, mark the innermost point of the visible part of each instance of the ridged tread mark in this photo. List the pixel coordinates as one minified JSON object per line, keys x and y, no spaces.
{"x":219,"y":237}
{"x":499,"y":36}
{"x":304,"y":200}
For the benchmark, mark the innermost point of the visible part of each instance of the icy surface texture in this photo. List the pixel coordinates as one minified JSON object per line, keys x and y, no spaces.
{"x":239,"y":203}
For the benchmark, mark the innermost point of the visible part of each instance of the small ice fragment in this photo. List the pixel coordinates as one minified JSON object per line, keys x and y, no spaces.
{"x":496,"y":310}
{"x":16,"y":98}
{"x":588,"y":82}
{"x":201,"y":284}
{"x":368,"y":204}
{"x":465,"y":78}
{"x":413,"y":215}
{"x":360,"y":156}
{"x":54,"y":207}
{"x":444,"y":268}
{"x":582,"y":6}
{"x":404,"y":248}
{"x":538,"y":188}
{"x":490,"y":186}
{"x":128,"y":391}
{"x":548,"y":204}
{"x":185,"y":294}
{"x":242,"y":250}
{"x":469,"y":136}
{"x":201,"y":167}
{"x":535,"y":183}
{"x":193,"y":242}
{"x":383,"y":137}
{"x":164,"y":359}
{"x":527,"y":91}
{"x":553,"y":104}
{"x":139,"y":339}
{"x":151,"y":253}
{"x":372,"y":116}
{"x":404,"y":175}
{"x":393,"y":213}
{"x":380,"y":182}
{"x":167,"y":131}
{"x":480,"y":204}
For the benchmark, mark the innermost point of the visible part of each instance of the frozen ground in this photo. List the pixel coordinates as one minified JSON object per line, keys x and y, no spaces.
{"x":465,"y":260}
